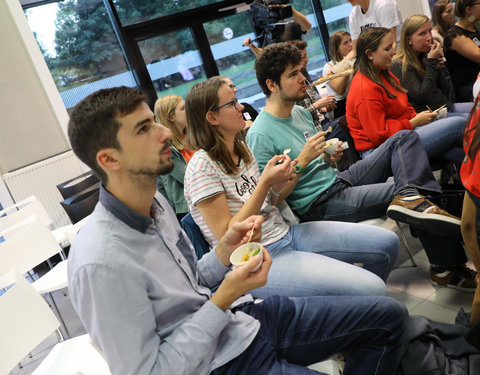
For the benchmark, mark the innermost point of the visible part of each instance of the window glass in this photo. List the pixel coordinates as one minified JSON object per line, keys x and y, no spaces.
{"x":79,"y":47}
{"x":336,"y":14}
{"x":134,"y":11}
{"x":226,"y":37}
{"x":173,"y":62}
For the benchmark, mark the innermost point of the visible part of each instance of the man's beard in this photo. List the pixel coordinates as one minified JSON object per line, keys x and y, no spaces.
{"x":145,"y":174}
{"x":292,"y":98}
{"x":163,"y":168}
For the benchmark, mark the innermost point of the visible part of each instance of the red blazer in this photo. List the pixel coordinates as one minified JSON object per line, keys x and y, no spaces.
{"x":470,"y":171}
{"x":372,"y":116}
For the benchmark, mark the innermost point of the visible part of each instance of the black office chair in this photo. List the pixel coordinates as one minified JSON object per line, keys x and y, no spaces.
{"x":70,"y":188}
{"x":81,"y":204}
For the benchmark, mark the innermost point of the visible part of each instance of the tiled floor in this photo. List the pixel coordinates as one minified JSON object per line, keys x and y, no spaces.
{"x":410,"y":285}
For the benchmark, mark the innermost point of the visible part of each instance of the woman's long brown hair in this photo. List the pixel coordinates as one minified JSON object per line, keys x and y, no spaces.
{"x":202,"y":98}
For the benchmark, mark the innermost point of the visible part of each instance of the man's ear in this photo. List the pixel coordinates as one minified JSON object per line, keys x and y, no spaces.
{"x":107,"y":159}
{"x":272,"y":86}
{"x":211,"y":118}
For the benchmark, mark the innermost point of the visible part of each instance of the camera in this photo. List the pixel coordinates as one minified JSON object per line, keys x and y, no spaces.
{"x":267,"y":19}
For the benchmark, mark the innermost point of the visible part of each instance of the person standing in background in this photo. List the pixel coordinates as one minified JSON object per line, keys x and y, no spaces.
{"x":371,"y":13}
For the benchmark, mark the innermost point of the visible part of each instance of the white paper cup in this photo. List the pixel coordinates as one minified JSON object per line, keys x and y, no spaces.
{"x":442,"y":113}
{"x":242,"y":254}
{"x":331,"y":145}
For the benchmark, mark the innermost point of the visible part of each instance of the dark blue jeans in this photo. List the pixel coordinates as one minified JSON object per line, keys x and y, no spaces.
{"x":366,"y":194}
{"x":297,"y":332}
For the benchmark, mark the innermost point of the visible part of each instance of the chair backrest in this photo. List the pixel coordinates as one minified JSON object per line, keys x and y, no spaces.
{"x":26,"y":320}
{"x":77,"y":184}
{"x":81,"y":204}
{"x":22,"y":210}
{"x":351,"y":153}
{"x":195,"y":235}
{"x":31,"y":244}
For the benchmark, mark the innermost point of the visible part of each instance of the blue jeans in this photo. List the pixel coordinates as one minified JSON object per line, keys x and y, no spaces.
{"x":461,"y":109}
{"x":365,"y":194}
{"x":317,"y":258}
{"x":297,"y":332}
{"x":442,"y":139}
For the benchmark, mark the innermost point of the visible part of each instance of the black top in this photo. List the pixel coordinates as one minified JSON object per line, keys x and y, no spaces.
{"x":463,"y":71}
{"x":430,"y":89}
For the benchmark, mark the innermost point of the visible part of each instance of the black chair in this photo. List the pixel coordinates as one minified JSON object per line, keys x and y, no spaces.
{"x":70,"y":188}
{"x":81,"y":204}
{"x":350,"y":153}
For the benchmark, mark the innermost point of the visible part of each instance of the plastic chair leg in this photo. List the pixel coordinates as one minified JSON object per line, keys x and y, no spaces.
{"x":59,"y":315}
{"x":405,"y":243}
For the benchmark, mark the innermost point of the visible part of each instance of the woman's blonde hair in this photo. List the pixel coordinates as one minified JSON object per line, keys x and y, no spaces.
{"x":201,"y":99}
{"x":405,"y":54}
{"x":333,"y":44}
{"x":164,"y":112}
{"x":369,"y":40}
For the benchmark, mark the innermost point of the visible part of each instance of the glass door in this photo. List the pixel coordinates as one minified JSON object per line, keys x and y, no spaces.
{"x":173,"y":62}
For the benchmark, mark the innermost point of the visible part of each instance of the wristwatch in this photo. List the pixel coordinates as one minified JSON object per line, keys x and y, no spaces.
{"x":299,"y":169}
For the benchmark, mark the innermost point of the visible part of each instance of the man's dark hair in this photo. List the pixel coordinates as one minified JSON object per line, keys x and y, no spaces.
{"x":273,"y":61}
{"x":300,"y":44}
{"x":94,"y":123}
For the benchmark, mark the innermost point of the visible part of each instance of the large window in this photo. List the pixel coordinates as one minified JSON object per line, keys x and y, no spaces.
{"x":173,"y":62}
{"x":80,"y":47}
{"x":166,"y":47}
{"x":135,"y":11}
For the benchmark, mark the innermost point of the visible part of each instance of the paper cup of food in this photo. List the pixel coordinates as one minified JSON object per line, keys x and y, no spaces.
{"x":443,"y":113}
{"x":245,"y":252}
{"x":331,"y":145}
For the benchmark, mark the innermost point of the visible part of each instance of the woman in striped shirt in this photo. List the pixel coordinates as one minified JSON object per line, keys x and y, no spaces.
{"x":223,"y":185}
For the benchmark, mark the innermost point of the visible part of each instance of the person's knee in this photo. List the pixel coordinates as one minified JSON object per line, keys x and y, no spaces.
{"x":394,"y":310}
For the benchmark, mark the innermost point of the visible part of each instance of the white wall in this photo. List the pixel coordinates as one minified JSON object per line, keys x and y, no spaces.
{"x":32,"y":115}
{"x":409,"y":7}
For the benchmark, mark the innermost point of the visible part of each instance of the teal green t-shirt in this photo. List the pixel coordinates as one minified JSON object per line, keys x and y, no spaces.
{"x":270,"y":135}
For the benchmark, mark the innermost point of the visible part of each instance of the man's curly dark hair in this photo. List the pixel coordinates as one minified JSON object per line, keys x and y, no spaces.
{"x":273,"y":61}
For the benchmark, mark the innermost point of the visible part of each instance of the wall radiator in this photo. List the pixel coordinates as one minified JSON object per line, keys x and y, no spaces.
{"x":40,"y":179}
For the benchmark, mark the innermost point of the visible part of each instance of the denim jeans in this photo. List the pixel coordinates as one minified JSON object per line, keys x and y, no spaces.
{"x":461,"y":109}
{"x":442,"y":139}
{"x":317,"y":258}
{"x":297,"y":332}
{"x":367,"y":195}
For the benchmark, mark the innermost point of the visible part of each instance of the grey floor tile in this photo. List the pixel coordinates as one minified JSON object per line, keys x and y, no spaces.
{"x":452,"y":299}
{"x":412,"y":280}
{"x":408,"y":300}
{"x":435,"y":312}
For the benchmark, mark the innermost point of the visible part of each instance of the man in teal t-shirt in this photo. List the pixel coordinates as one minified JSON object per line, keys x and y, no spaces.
{"x":319,"y":192}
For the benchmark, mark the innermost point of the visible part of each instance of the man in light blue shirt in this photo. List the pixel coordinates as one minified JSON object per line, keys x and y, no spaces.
{"x":146,"y":300}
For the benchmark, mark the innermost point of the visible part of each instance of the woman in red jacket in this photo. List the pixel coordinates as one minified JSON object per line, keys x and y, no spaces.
{"x":470,"y":174}
{"x":377,"y":105}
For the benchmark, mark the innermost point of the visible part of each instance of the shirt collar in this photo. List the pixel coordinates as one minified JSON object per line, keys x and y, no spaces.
{"x":124,"y":213}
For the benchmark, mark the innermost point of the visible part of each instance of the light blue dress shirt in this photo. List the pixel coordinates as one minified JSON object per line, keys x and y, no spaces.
{"x":143,"y":297}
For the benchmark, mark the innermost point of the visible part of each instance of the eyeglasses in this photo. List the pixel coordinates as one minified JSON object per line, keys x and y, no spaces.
{"x":233,"y":102}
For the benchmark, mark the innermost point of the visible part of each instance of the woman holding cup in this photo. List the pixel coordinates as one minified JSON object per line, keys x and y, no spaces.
{"x":223,"y":185}
{"x":418,"y":65}
{"x":378,"y":107}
